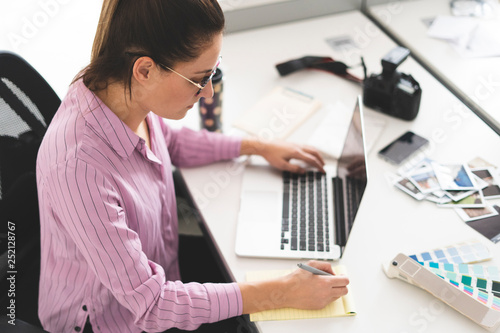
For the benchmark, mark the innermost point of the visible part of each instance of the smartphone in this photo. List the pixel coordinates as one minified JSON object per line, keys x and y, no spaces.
{"x":403,"y":147}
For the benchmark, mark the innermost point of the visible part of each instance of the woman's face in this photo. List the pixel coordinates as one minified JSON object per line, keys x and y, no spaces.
{"x":172,"y":95}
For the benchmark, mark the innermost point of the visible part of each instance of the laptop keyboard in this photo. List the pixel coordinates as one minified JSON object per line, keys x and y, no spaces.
{"x":305,"y":212}
{"x":354,"y":189}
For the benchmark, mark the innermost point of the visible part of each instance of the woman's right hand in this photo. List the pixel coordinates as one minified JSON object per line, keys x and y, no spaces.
{"x":312,"y":292}
{"x":299,"y":289}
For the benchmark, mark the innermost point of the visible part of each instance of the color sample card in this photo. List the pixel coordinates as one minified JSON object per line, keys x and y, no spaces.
{"x":480,"y":271}
{"x":473,"y":298}
{"x":484,"y":297}
{"x":463,"y":253}
{"x":487,"y":285}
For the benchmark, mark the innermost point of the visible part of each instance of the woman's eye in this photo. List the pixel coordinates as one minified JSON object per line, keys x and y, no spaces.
{"x":204,"y":80}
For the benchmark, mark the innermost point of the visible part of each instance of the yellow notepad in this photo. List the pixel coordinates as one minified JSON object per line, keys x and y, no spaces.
{"x":343,"y":306}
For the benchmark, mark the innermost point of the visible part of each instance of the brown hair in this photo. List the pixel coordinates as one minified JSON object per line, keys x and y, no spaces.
{"x":169,"y":31}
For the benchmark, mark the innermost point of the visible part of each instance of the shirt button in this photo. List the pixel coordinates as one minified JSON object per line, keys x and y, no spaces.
{"x":84,"y":308}
{"x":78,"y":328}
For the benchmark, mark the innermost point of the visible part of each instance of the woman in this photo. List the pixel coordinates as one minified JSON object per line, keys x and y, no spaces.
{"x":107,"y":201}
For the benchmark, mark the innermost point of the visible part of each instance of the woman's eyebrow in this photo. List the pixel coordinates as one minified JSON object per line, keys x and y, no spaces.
{"x":204,"y":72}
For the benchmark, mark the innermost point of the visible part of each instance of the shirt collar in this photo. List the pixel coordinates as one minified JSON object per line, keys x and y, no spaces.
{"x":105,"y":122}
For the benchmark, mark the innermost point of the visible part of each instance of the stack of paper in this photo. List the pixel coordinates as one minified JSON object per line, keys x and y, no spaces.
{"x":470,"y":37}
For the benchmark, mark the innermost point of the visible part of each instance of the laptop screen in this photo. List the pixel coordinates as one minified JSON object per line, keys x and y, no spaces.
{"x":351,"y":170}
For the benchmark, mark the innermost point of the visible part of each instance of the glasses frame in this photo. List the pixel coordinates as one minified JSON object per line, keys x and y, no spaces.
{"x":200,"y":85}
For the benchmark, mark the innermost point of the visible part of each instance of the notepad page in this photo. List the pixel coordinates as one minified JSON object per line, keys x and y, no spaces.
{"x":277,"y":114}
{"x":343,"y":306}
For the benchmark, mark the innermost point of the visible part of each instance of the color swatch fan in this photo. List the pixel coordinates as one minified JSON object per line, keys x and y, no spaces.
{"x":450,"y":274}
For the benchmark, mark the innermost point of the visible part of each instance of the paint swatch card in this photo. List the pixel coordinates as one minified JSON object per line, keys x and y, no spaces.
{"x":474,"y":297}
{"x":487,"y":298}
{"x":463,"y":253}
{"x":487,"y":285}
{"x":480,"y":271}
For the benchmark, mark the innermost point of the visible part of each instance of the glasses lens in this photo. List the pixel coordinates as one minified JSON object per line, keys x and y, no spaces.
{"x":208,"y":78}
{"x":205,"y":80}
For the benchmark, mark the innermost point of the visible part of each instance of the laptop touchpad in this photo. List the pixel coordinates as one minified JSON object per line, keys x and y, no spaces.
{"x":259,"y":206}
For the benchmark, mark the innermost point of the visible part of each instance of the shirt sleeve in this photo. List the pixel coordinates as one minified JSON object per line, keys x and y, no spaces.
{"x":89,"y":208}
{"x":190,"y":148}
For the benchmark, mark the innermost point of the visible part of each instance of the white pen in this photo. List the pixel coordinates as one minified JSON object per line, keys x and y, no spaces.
{"x":313,"y":270}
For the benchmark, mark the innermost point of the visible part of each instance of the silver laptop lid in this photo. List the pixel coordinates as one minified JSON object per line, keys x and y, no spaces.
{"x":352,"y":171}
{"x":352,"y":161}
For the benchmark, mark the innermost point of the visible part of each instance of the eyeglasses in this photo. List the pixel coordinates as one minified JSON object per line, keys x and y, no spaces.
{"x":203,"y":83}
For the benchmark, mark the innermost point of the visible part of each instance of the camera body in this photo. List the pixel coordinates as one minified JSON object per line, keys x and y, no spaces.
{"x":394,"y":93}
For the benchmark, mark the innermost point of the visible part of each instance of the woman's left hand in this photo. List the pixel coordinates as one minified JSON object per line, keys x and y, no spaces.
{"x":279,"y":154}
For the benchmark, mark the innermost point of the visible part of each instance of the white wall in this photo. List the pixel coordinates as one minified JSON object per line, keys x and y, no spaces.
{"x":55,"y":36}
{"x":229,"y":5}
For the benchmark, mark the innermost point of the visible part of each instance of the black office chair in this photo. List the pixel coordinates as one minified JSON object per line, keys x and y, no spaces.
{"x":27,"y":105}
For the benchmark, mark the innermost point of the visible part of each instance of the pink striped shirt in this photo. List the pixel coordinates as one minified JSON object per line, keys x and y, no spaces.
{"x":109,"y":223}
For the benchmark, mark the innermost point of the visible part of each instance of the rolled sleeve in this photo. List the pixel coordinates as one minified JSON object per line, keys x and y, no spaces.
{"x":190,"y":148}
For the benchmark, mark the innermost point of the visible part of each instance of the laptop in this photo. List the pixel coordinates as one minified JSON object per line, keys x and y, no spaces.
{"x":303,"y":216}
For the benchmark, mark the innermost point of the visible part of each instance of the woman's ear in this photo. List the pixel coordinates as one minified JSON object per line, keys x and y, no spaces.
{"x":144,"y":70}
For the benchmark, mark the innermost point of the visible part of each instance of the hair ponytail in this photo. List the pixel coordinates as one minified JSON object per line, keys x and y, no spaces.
{"x":107,"y":12}
{"x":169,"y":31}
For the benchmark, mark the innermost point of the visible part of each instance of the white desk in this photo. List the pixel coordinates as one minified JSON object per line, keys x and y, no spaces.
{"x":477,"y":79}
{"x":388,"y":221}
{"x":383,"y":227}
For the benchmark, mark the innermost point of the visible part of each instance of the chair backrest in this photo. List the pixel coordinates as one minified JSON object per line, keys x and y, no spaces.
{"x":27,"y":105}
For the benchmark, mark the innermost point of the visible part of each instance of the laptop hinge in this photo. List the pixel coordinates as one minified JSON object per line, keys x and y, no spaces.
{"x":338,"y":203}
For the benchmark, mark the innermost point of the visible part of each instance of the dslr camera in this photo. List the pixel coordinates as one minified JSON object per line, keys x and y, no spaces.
{"x":394,"y":93}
